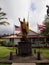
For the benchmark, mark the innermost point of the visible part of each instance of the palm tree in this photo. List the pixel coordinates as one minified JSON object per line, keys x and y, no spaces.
{"x":4,"y":23}
{"x":2,"y":16}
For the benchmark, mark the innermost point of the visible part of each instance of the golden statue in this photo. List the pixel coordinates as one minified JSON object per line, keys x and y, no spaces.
{"x":24,"y":27}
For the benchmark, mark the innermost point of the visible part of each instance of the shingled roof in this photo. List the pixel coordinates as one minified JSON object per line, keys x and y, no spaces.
{"x":30,"y":33}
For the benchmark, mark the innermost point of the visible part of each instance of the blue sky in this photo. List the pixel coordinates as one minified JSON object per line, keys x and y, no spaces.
{"x":20,"y":8}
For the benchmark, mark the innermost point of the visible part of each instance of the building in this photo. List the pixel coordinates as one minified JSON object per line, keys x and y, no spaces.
{"x":36,"y":39}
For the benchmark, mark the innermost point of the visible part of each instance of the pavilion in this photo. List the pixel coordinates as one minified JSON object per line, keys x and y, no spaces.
{"x":35,"y":38}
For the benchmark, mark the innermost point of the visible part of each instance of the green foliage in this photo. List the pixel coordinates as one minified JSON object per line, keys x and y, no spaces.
{"x":46,"y":23}
{"x":4,"y":64}
{"x":45,"y":31}
{"x":2,"y":16}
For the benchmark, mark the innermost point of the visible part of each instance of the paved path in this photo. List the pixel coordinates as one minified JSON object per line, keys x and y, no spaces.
{"x":23,"y":63}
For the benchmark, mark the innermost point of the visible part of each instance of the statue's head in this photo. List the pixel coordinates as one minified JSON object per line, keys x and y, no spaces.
{"x":47,"y":6}
{"x":47,"y":9}
{"x":23,"y":19}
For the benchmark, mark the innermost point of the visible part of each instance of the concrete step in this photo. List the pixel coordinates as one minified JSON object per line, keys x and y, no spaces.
{"x":23,"y":63}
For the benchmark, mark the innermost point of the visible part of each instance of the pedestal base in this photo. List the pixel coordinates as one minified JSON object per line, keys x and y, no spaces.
{"x":24,"y":48}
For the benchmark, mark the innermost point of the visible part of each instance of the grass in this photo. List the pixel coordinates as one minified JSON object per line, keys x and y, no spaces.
{"x":4,"y":51}
{"x":44,"y":51}
{"x":4,"y":64}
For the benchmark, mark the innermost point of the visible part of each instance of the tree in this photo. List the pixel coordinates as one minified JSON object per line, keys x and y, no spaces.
{"x":46,"y":23}
{"x":2,"y":16}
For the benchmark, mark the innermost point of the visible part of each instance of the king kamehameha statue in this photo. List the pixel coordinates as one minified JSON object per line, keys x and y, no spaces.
{"x":24,"y":46}
{"x":24,"y":27}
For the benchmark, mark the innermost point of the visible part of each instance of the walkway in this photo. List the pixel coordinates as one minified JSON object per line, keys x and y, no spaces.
{"x":23,"y":63}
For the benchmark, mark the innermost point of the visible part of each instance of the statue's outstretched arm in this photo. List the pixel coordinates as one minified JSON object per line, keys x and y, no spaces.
{"x":19,"y":19}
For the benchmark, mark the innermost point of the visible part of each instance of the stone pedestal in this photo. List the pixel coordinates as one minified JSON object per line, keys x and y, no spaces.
{"x":24,"y":48}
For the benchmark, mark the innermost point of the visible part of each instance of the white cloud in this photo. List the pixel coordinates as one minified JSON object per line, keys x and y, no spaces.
{"x":20,"y":8}
{"x":38,"y":15}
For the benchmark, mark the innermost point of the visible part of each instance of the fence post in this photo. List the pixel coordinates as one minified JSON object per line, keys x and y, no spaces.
{"x":11,"y":55}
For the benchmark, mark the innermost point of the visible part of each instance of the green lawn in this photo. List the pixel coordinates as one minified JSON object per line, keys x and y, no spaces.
{"x":4,"y":64}
{"x":4,"y":51}
{"x":44,"y":51}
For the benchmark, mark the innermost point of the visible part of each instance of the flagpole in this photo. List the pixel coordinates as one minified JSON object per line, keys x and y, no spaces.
{"x":38,"y":53}
{"x":13,"y":36}
{"x":38,"y":36}
{"x":28,"y":16}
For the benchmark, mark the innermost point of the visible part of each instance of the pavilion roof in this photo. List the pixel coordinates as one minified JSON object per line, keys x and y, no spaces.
{"x":31,"y":34}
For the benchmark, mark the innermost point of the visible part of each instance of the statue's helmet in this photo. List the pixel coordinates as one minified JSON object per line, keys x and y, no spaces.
{"x":47,"y":6}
